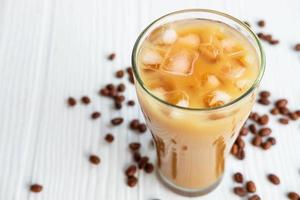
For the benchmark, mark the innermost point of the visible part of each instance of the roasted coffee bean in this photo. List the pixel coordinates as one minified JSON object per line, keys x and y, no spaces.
{"x":36,"y":188}
{"x":149,"y":168}
{"x":283,"y":121}
{"x":117,"y":121}
{"x":129,"y":70}
{"x":293,"y":196}
{"x":71,"y":101}
{"x":298,"y":112}
{"x":263,"y":120}
{"x":265,"y":131}
{"x":297,"y":47}
{"x":241,"y":154}
{"x":274,"y":42}
{"x":293,"y":116}
{"x":131,"y":170}
{"x":130,"y":103}
{"x":142,"y":128}
{"x":234,"y":149}
{"x":137,"y":157}
{"x":119,"y":98}
{"x":254,"y":197}
{"x":272,"y":140}
{"x":263,"y":101}
{"x":240,"y":142}
{"x":142,"y":163}
{"x":238,"y":177}
{"x":254,"y":116}
{"x":132,"y":181}
{"x":266,"y":145}
{"x":244,"y":131}
{"x":94,"y":159}
{"x":85,"y":100}
{"x":265,"y":94}
{"x":111,"y":56}
{"x":256,"y":141}
{"x":119,"y":74}
{"x":252,"y":128}
{"x":118,"y":105}
{"x":268,"y":37}
{"x":112,"y":93}
{"x":250,"y":186}
{"x":274,"y":111}
{"x":240,"y":191}
{"x":284,"y":111}
{"x":261,"y":23}
{"x":109,"y":138}
{"x":135,"y":146}
{"x":104,"y":92}
{"x":134,"y":124}
{"x":95,"y":115}
{"x":121,"y":87}
{"x":110,"y":86}
{"x":281,"y":103}
{"x":274,"y":179}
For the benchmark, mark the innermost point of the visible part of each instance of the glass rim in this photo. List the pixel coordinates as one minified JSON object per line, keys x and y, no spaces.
{"x":246,"y":93}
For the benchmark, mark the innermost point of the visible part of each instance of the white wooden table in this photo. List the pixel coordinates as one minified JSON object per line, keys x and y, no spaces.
{"x":50,"y":49}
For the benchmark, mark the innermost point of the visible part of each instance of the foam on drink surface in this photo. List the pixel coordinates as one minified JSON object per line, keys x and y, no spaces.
{"x":202,"y":63}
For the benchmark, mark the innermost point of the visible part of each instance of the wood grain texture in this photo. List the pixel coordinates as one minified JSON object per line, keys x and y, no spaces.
{"x":50,"y":49}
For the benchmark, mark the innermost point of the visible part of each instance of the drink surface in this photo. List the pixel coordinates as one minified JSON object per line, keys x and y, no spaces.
{"x":197,"y":63}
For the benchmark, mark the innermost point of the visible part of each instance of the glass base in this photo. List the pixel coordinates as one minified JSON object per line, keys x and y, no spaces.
{"x":184,"y":191}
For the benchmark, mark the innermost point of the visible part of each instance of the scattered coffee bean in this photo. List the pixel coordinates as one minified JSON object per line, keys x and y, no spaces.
{"x":244,"y":131}
{"x":134,"y":124}
{"x":111,"y":56}
{"x":261,"y":23}
{"x":254,"y":197}
{"x":272,"y":140}
{"x":263,"y":120}
{"x":119,"y":98}
{"x":104,"y":92}
{"x":85,"y":100}
{"x":71,"y":101}
{"x":121,"y":87}
{"x":263,"y":101}
{"x":234,"y":149}
{"x":297,"y":47}
{"x":142,"y":128}
{"x":120,"y":74}
{"x":293,"y":116}
{"x":137,"y":157}
{"x":149,"y":168}
{"x":240,"y":142}
{"x":274,"y":179}
{"x":274,"y":42}
{"x":36,"y":188}
{"x":94,"y":159}
{"x":264,"y":94}
{"x":117,"y":121}
{"x":298,"y":112}
{"x":252,"y":128}
{"x":256,"y":141}
{"x":95,"y":115}
{"x":293,"y":196}
{"x":241,"y":154}
{"x":118,"y":105}
{"x":281,"y":103}
{"x":109,"y":138}
{"x":266,"y":145}
{"x":130,"y":103}
{"x":142,"y":163}
{"x":284,"y":111}
{"x":265,"y":132}
{"x":274,"y":111}
{"x":250,"y":186}
{"x":254,"y":116}
{"x":283,"y":121}
{"x":238,"y":177}
{"x":132,"y":181}
{"x":131,"y":170}
{"x":240,"y":191}
{"x":135,"y":146}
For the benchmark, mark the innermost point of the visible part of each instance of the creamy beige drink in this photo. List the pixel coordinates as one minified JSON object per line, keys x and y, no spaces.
{"x":195,"y":86}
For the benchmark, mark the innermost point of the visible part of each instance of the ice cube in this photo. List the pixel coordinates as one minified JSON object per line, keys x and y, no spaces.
{"x":174,"y":113}
{"x":160,"y":93}
{"x":181,"y":63}
{"x":169,"y":36}
{"x":183,"y":103}
{"x":241,"y":84}
{"x":216,"y":98}
{"x":228,"y":44}
{"x":150,"y":57}
{"x":233,"y":70}
{"x":212,"y":81}
{"x":210,"y":51}
{"x":191,"y":40}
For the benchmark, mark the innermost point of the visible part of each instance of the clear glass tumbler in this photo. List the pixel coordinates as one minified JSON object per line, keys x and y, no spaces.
{"x":192,"y":144}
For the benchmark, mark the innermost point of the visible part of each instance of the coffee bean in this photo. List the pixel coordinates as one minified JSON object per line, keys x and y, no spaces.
{"x":264,"y":94}
{"x":298,"y":112}
{"x":234,"y":149}
{"x":266,"y":145}
{"x":111,"y":56}
{"x":36,"y":188}
{"x":297,"y":47}
{"x":281,"y":103}
{"x":132,"y":181}
{"x":119,"y":74}
{"x":95,"y":115}
{"x":260,"y":35}
{"x":117,"y":121}
{"x":121,"y":87}
{"x":274,"y":42}
{"x":131,"y":170}
{"x":250,"y":185}
{"x":118,"y":105}
{"x":274,"y":111}
{"x":142,"y":163}
{"x":110,"y":86}
{"x":130,"y":103}
{"x":263,"y":101}
{"x":256,"y":141}
{"x":263,"y":120}
{"x":137,"y":157}
{"x":241,"y":154}
{"x":272,"y":140}
{"x":265,"y":131}
{"x":293,"y":196}
{"x":149,"y":168}
{"x":71,"y":101}
{"x":238,"y":177}
{"x":284,"y":111}
{"x":119,"y":98}
{"x":274,"y":179}
{"x":112,"y":93}
{"x":252,"y":128}
{"x":94,"y":159}
{"x":244,"y":131}
{"x":261,"y":23}
{"x":283,"y":121}
{"x":240,"y":142}
{"x":135,"y":146}
{"x":109,"y":138}
{"x":104,"y":92}
{"x":254,"y":116}
{"x":293,"y":116}
{"x":240,"y":191}
{"x":254,"y":197}
{"x":134,"y":124}
{"x":85,"y":100}
{"x":142,"y":128}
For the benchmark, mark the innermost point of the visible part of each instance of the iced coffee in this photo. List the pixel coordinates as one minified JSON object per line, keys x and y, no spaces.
{"x":196,"y":81}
